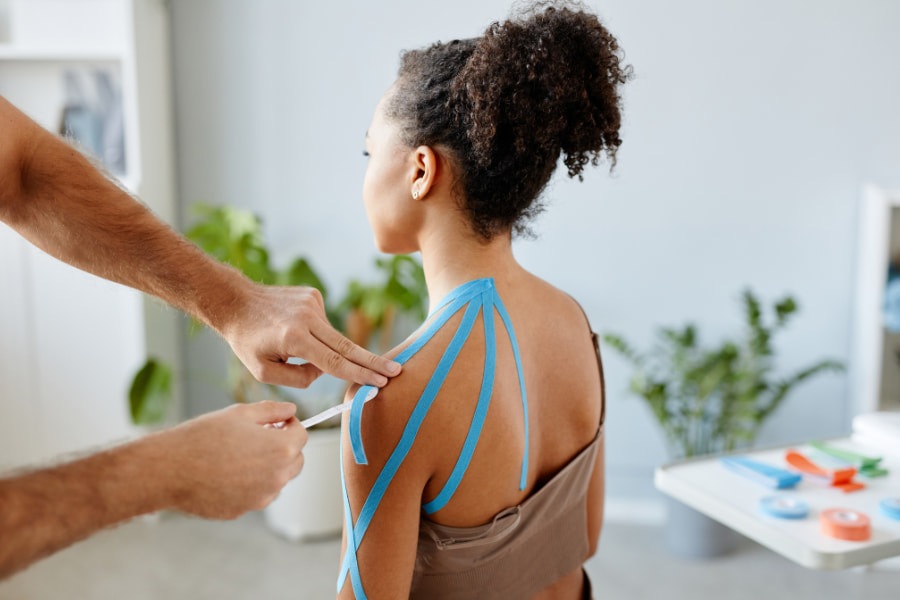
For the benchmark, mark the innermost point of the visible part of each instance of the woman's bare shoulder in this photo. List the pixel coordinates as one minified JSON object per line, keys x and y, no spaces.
{"x":386,"y":416}
{"x":549,"y":300}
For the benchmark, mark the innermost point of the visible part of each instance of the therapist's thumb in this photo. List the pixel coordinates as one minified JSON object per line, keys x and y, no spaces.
{"x":269,"y":411}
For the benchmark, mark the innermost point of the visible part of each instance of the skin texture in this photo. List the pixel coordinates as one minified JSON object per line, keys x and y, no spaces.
{"x":218,"y":466}
{"x":561,"y":376}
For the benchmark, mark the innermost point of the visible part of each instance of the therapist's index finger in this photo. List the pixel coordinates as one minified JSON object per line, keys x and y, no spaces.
{"x":348,"y":361}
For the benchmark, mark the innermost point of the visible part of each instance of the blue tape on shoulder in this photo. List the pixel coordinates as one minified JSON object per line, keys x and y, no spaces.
{"x":484,"y":399}
{"x":409,"y":435}
{"x":474,"y":296}
{"x":355,"y":579}
{"x":467,"y":290}
{"x":507,"y":322}
{"x":459,"y":298}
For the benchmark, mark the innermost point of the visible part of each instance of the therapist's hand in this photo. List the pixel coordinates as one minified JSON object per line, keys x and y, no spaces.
{"x":217,"y":466}
{"x":270,"y":324}
{"x":52,"y":196}
{"x":225,"y":463}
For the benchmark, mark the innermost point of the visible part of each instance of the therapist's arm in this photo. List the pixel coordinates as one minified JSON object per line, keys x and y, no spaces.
{"x":54,"y":197}
{"x":217,"y":466}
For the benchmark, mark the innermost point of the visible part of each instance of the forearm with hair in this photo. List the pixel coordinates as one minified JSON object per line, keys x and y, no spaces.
{"x":45,"y":511}
{"x":72,"y":211}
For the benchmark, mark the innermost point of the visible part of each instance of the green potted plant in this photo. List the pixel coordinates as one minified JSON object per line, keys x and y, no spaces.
{"x":308,"y":506}
{"x":366,"y":312}
{"x":710,"y":399}
{"x":369,"y":310}
{"x":233,"y":236}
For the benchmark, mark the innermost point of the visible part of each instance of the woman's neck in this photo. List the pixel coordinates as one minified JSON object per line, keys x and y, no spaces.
{"x":451,"y":257}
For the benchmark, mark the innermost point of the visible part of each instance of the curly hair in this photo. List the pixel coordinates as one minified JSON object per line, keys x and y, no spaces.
{"x":505,"y":106}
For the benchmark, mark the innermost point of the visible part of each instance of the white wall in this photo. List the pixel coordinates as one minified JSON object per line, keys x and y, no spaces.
{"x":71,"y":342}
{"x":750,"y":128}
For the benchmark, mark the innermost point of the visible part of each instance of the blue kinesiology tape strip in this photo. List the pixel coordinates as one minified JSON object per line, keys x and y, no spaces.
{"x":484,"y":399}
{"x":507,"y":322}
{"x":475,"y":296}
{"x":355,"y":579}
{"x":409,"y":433}
{"x":459,"y":299}
{"x":468,"y":290}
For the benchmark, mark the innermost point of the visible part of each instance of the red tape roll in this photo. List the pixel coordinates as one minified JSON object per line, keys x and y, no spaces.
{"x":845,"y":524}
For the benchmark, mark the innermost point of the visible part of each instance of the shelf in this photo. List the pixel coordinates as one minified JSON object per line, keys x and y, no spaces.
{"x":96,"y":334}
{"x":63,"y":30}
{"x":8,"y":52}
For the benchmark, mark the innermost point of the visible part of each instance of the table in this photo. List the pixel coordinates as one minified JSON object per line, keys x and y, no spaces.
{"x":709,"y":487}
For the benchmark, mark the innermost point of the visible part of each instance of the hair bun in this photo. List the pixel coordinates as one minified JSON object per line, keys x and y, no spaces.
{"x":504,"y":106}
{"x":540,"y":84}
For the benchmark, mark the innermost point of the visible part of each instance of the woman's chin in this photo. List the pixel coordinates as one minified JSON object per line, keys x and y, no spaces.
{"x":393,"y":247}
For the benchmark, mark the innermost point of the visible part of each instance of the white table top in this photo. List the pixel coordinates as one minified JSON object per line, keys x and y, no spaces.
{"x":709,"y":487}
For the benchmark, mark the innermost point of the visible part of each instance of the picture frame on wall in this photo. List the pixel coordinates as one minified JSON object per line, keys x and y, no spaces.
{"x":92,"y":113}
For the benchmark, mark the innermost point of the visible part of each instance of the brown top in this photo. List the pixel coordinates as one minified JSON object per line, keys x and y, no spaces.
{"x":524,"y":549}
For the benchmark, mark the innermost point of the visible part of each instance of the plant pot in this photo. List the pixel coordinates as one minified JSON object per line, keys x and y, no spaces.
{"x":691,"y":534}
{"x":310,"y":505}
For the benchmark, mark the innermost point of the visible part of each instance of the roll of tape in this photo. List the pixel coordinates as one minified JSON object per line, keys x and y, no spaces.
{"x":784,"y":507}
{"x":845,"y":524}
{"x":890,"y":507}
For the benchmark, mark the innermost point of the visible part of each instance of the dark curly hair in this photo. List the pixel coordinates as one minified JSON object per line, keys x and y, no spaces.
{"x":504,"y":106}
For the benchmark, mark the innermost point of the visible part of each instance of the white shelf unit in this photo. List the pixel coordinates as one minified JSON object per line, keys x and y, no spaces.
{"x":8,"y":53}
{"x":70,"y":342}
{"x":874,"y":368}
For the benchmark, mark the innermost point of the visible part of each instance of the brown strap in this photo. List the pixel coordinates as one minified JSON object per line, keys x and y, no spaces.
{"x":595,"y":338}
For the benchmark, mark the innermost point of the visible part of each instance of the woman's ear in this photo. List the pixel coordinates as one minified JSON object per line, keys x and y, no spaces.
{"x":425,"y":163}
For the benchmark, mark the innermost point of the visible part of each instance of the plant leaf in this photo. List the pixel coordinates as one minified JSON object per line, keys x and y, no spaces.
{"x":150,"y":393}
{"x":618,"y":344}
{"x":301,"y":273}
{"x":785,"y":309}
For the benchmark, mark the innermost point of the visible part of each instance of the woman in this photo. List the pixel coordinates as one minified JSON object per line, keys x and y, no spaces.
{"x":478,"y":472}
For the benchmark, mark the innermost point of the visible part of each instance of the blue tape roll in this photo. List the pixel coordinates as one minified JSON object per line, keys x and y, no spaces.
{"x":890,"y":507}
{"x":784,"y":507}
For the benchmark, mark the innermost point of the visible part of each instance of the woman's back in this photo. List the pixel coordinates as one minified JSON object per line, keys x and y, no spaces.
{"x":563,"y":386}
{"x":563,"y":395}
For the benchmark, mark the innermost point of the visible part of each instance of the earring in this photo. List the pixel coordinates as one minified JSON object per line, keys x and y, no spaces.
{"x":415,"y":195}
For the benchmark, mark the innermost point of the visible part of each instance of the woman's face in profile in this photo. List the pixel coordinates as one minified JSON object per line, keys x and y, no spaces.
{"x":387,"y":188}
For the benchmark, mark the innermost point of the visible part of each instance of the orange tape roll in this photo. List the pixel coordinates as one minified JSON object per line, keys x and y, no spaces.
{"x":845,"y":524}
